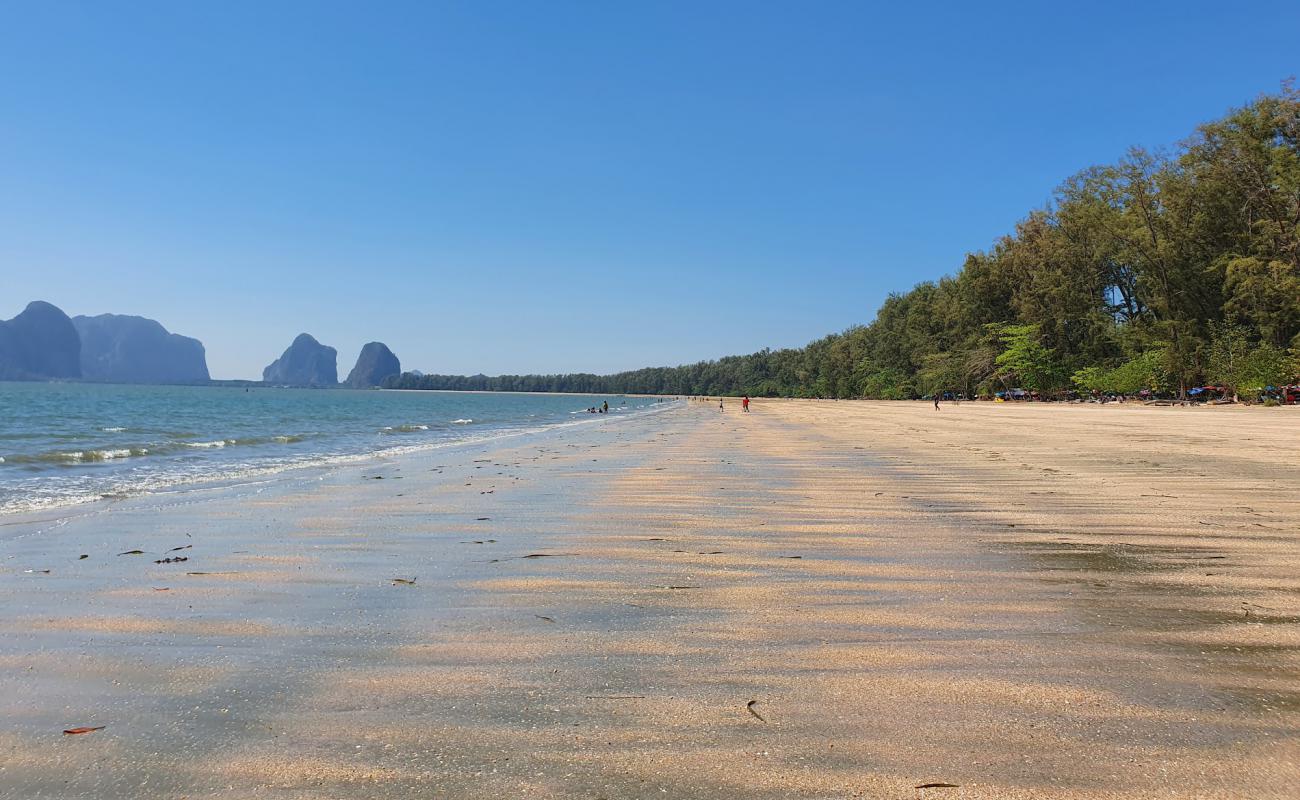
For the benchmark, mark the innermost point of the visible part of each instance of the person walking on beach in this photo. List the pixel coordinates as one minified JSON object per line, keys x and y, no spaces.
{"x":936,"y":401}
{"x":605,"y":408}
{"x":720,"y":404}
{"x":744,"y":404}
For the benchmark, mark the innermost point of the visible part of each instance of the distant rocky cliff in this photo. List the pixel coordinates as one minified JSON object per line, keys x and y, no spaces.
{"x":375,"y":363}
{"x":307,"y":362}
{"x":39,"y":344}
{"x":125,"y":349}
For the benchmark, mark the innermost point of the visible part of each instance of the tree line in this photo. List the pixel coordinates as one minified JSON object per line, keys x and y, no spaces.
{"x":1162,"y":271}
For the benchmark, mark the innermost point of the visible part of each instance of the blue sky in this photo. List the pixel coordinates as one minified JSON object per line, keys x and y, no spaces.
{"x":562,"y":186}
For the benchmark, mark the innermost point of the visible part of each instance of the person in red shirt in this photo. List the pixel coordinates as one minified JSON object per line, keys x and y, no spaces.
{"x":744,"y":403}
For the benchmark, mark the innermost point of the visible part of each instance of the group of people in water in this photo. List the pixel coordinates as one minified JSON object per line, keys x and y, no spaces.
{"x":603,"y":408}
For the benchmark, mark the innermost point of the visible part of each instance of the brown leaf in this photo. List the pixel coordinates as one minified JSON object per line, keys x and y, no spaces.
{"x":935,"y":786}
{"x":78,"y":731}
{"x":750,"y":708}
{"x":132,"y":553}
{"x":403,"y":581}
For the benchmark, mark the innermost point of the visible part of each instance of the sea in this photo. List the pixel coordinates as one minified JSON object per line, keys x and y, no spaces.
{"x":69,"y":444}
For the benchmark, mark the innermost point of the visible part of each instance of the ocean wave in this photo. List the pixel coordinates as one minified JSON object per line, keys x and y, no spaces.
{"x":75,"y":456}
{"x":403,"y":428}
{"x":464,"y":421}
{"x":112,"y":430}
{"x":104,"y":455}
{"x":162,"y":448}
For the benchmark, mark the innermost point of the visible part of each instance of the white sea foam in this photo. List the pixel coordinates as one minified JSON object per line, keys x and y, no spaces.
{"x":217,"y":443}
{"x":112,"y":430}
{"x":461,"y":421}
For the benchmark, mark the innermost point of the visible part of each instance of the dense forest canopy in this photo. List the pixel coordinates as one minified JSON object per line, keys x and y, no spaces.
{"x":1161,"y":271}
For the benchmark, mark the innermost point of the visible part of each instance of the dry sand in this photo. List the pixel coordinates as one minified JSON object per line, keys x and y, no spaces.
{"x":1026,"y":601}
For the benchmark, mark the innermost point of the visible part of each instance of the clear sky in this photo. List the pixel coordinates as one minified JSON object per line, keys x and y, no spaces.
{"x":565,"y":186}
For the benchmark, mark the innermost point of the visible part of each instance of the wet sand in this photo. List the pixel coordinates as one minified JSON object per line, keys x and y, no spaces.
{"x":1027,"y":601}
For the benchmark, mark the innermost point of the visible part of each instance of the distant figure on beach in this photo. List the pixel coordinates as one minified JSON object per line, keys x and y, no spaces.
{"x":936,"y":401}
{"x":605,"y":408}
{"x":744,"y":404}
{"x":720,"y":404}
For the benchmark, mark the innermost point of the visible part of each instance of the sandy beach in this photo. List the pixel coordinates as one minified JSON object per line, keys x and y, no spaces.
{"x":812,"y":600}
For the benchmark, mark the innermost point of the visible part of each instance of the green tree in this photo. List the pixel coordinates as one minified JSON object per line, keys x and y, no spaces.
{"x":1024,"y":360}
{"x":1265,"y":366}
{"x":1228,"y":363}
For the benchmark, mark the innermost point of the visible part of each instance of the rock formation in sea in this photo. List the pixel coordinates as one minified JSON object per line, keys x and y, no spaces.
{"x":126,"y":349}
{"x":307,"y":362}
{"x":39,"y":344}
{"x":375,"y":363}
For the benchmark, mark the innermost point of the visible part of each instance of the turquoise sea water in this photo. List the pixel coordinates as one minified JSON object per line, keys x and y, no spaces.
{"x":68,"y":444}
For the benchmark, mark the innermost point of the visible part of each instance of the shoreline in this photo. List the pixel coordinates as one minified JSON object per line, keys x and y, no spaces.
{"x":253,"y":475}
{"x":971,"y":596}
